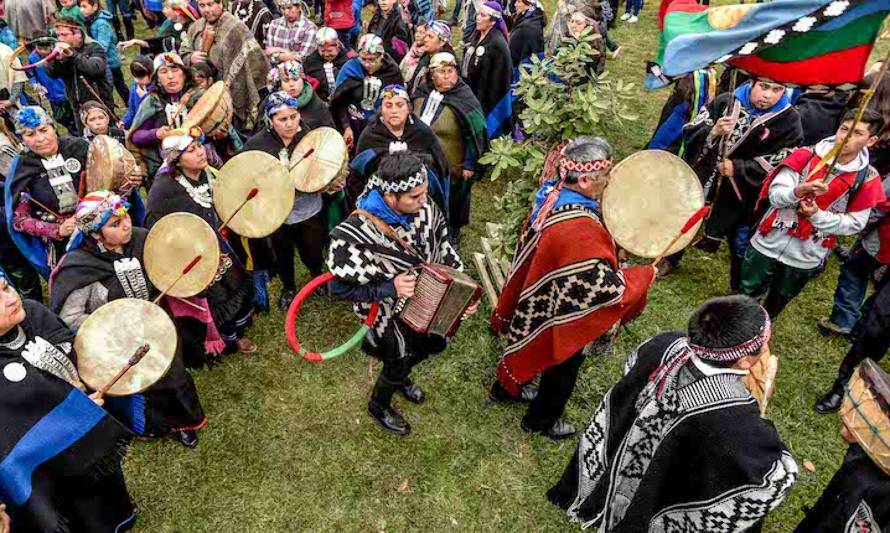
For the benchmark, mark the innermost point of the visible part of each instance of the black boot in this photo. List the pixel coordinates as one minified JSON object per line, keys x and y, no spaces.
{"x":380,"y":407}
{"x":831,"y":401}
{"x":412,"y":392}
{"x":187,"y":437}
{"x":735,"y":273}
{"x":497,"y":393}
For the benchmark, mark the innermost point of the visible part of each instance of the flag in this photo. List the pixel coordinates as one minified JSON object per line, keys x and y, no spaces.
{"x":795,"y":42}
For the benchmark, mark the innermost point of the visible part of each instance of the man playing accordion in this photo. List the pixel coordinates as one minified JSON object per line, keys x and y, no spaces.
{"x":373,"y":255}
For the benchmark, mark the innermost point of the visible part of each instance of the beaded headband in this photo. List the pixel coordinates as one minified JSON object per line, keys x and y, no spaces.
{"x":585,"y":167}
{"x":734,"y":353}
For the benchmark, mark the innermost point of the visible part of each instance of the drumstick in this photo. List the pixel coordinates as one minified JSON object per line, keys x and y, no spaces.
{"x":302,"y":158}
{"x":26,"y":196}
{"x":693,"y":220}
{"x":134,"y":360}
{"x":185,"y":271}
{"x":190,"y":304}
{"x":251,"y":194}
{"x":99,"y":99}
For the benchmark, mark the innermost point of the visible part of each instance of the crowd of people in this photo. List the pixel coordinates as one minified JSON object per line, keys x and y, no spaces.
{"x":679,"y":443}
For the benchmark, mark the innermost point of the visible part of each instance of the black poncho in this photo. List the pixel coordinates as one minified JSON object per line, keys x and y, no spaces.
{"x":377,"y":140}
{"x":314,"y":66}
{"x":170,"y":404}
{"x":396,"y":36}
{"x":347,"y":97}
{"x":699,"y":458}
{"x":61,"y":453}
{"x":487,"y":68}
{"x":527,"y":36}
{"x":856,"y":500}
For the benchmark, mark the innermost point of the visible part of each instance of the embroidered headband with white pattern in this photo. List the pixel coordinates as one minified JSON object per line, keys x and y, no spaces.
{"x":403,"y":185}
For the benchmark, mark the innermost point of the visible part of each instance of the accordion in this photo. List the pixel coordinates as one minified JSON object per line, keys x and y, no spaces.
{"x":441,"y":297}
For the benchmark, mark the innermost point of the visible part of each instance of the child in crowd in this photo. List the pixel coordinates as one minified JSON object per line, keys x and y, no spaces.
{"x":140,"y":69}
{"x":71,"y":9}
{"x":204,"y":75}
{"x":98,"y":25}
{"x":97,"y":121}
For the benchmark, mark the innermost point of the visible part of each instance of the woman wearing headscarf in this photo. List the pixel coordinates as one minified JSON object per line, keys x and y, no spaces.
{"x":438,"y":39}
{"x":359,"y":84}
{"x":527,"y":32}
{"x":388,"y":24}
{"x":304,"y":230}
{"x":184,"y":184}
{"x":488,"y":69}
{"x":325,"y":62}
{"x":163,"y":110}
{"x":42,"y":189}
{"x":290,"y":78}
{"x":105,"y":263}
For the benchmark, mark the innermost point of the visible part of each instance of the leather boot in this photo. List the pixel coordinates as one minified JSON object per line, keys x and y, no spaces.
{"x":831,"y":401}
{"x":412,"y":392}
{"x":380,"y":407}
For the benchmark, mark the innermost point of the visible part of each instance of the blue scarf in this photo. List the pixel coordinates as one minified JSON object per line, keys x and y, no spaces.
{"x":566,"y":197}
{"x":743,"y":94}
{"x":374,"y":204}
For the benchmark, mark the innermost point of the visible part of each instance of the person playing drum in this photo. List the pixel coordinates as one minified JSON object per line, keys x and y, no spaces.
{"x":567,"y":265}
{"x":163,"y":110}
{"x":42,"y":190}
{"x":67,"y":475}
{"x":184,"y":184}
{"x":304,"y":229}
{"x":105,"y":263}
{"x":370,"y":262}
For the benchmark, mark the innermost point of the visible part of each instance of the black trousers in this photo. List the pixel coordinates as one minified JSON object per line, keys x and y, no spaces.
{"x":308,"y":238}
{"x":554,"y":391}
{"x":120,"y":84}
{"x":397,"y":367}
{"x":871,"y":336}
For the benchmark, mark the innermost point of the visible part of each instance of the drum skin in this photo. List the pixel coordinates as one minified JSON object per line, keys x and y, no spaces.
{"x":212,"y":112}
{"x":326,"y":166}
{"x":266,"y":211}
{"x":650,"y":196}
{"x":866,"y":411}
{"x":111,"y":334}
{"x":172,"y":244}
{"x":109,"y":165}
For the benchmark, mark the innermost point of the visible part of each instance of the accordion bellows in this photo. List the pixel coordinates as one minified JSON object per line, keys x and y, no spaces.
{"x":441,"y":297}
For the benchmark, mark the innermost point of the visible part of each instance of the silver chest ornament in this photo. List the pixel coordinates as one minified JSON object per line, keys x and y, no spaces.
{"x":14,"y":372}
{"x":370,"y":91}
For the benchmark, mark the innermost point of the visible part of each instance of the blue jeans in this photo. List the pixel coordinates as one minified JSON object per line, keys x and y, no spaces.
{"x":634,"y":5}
{"x":739,"y":240}
{"x":124,"y":5}
{"x":852,"y":284}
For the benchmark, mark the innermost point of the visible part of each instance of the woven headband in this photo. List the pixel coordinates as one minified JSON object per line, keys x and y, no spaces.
{"x":403,"y":185}
{"x":585,"y":167}
{"x":734,"y":353}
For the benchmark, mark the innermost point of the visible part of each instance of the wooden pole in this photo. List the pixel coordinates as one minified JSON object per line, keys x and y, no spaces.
{"x":133,"y":361}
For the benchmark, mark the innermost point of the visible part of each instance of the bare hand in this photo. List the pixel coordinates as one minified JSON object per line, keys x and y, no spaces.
{"x":67,"y":227}
{"x":726,"y":168}
{"x":337,"y":187}
{"x":807,"y":208}
{"x":811,"y":188}
{"x":96,"y":399}
{"x":64,"y":49}
{"x":286,"y":56}
{"x":163,"y":132}
{"x":405,"y":283}
{"x":473,"y":309}
{"x":348,"y":137}
{"x":467,"y":174}
{"x":218,"y":134}
{"x":5,"y":522}
{"x":723,"y":126}
{"x":5,"y":104}
{"x":198,"y":57}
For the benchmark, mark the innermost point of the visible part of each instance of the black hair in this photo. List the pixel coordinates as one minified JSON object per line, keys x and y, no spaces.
{"x":726,"y":321}
{"x":141,"y":66}
{"x":209,"y":71}
{"x":872,"y":118}
{"x":97,"y":3}
{"x":399,"y":166}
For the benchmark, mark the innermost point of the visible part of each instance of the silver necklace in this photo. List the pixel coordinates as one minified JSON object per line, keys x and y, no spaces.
{"x":17,"y":342}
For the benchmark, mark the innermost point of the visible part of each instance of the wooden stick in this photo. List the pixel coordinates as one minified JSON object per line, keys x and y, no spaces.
{"x":191,"y":304}
{"x":724,"y":145}
{"x":134,"y":360}
{"x":839,"y":147}
{"x":29,"y":198}
{"x":251,"y":194}
{"x":479,"y":260}
{"x":302,"y":158}
{"x":495,"y":268}
{"x":185,"y":271}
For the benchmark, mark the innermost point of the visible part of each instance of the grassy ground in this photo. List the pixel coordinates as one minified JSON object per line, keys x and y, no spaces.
{"x":289,"y":446}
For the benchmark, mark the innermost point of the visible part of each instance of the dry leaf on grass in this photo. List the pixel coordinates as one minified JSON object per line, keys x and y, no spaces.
{"x":809,"y":466}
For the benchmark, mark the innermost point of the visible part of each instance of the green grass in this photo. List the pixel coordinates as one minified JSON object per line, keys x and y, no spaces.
{"x":290,"y":447}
